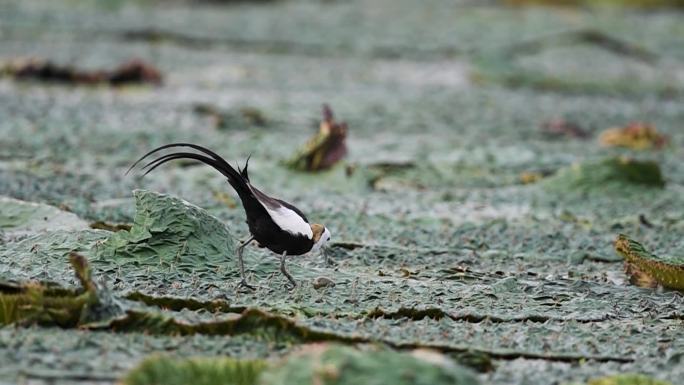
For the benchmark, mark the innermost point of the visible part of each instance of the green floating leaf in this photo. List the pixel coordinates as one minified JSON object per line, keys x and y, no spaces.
{"x":669,"y":272}
{"x":616,"y":3}
{"x":163,"y":370}
{"x":612,"y":175}
{"x":526,"y":64}
{"x":234,"y":119}
{"x":45,"y":256}
{"x":21,"y":217}
{"x":627,"y":379}
{"x":342,"y":365}
{"x":254,"y":322}
{"x":170,"y":231}
{"x":36,"y":303}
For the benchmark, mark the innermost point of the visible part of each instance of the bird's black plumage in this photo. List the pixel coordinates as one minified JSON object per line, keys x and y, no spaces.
{"x":258,"y":206}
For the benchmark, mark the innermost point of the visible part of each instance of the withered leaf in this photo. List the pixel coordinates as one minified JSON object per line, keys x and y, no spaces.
{"x":636,"y":135}
{"x":646,"y":269}
{"x":323,"y":150}
{"x":559,"y":127}
{"x":134,"y":71}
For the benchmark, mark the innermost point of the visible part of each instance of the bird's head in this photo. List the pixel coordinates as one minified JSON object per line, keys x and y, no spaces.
{"x":321,"y":236}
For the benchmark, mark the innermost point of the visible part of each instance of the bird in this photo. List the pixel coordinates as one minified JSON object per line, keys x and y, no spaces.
{"x":273,"y":223}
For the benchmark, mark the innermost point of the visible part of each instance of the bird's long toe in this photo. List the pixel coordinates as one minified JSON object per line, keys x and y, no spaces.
{"x":243,"y":283}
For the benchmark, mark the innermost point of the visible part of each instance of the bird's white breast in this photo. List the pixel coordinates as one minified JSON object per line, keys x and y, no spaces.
{"x":289,"y":221}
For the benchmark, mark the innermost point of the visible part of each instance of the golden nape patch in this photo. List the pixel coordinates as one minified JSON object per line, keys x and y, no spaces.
{"x":317,"y":231}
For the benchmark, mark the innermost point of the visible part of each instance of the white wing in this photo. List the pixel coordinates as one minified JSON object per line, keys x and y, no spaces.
{"x":289,"y":221}
{"x":286,"y":218}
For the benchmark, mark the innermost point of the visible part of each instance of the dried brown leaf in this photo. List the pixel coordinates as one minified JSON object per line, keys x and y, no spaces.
{"x":134,"y":71}
{"x":636,"y":135}
{"x":323,"y":150}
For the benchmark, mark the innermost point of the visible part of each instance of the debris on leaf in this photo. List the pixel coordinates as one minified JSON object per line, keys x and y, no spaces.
{"x":321,"y":282}
{"x":479,"y":361}
{"x":384,"y":176}
{"x":391,"y":167}
{"x":134,"y":71}
{"x":330,"y":364}
{"x":83,"y":272}
{"x":113,"y":227}
{"x":529,"y":177}
{"x":324,"y":149}
{"x":243,"y":117}
{"x":644,"y":221}
{"x":636,"y":135}
{"x":253,"y":116}
{"x":668,"y":272}
{"x":612,"y":175}
{"x":225,"y":198}
{"x":158,"y":370}
{"x":561,"y":128}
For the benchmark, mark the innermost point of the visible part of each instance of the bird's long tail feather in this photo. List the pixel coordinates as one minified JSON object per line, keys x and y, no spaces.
{"x":236,"y":179}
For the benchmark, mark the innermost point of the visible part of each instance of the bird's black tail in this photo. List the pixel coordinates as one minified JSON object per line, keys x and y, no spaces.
{"x":236,"y":179}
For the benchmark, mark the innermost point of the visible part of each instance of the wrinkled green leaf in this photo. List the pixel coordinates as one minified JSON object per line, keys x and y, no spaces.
{"x":35,"y":303}
{"x":19,"y":218}
{"x":611,"y":176}
{"x":627,"y":379}
{"x":168,"y":230}
{"x":163,"y":370}
{"x":341,"y":365}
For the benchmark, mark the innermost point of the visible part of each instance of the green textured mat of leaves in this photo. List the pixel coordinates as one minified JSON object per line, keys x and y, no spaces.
{"x":437,"y":242}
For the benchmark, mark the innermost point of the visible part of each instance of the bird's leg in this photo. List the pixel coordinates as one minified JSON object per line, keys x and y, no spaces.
{"x":326,"y":257}
{"x":285,"y":272}
{"x":241,"y":263}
